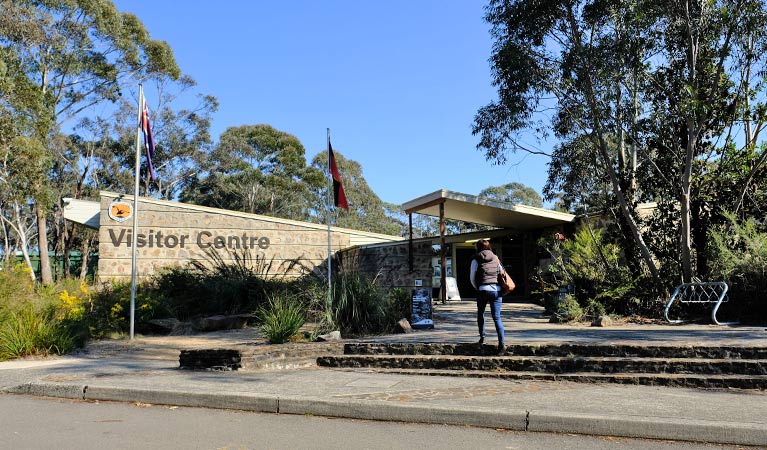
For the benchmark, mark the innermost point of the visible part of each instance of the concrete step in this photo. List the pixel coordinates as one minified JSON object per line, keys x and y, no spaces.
{"x":660,"y":379}
{"x":552,"y":364}
{"x":606,"y":350}
{"x":258,"y":357}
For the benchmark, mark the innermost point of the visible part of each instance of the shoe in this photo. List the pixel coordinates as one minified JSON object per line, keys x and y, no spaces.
{"x":481,"y":340}
{"x":501,"y":350}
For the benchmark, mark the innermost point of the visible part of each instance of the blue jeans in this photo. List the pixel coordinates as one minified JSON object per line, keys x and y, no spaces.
{"x":492,"y":297}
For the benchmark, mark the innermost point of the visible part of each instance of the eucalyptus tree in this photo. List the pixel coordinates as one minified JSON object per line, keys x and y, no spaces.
{"x":641,"y":91}
{"x":23,"y":162}
{"x":80,"y":53}
{"x":516,"y":193}
{"x":566,"y":56}
{"x":707,"y":114}
{"x":366,"y":210}
{"x":181,"y":130}
{"x":256,"y":169}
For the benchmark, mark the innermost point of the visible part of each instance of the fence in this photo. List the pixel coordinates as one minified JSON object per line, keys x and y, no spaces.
{"x":57,"y":264}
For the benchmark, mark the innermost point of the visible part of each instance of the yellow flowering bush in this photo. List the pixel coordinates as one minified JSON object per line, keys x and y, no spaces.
{"x":73,"y":306}
{"x":36,"y":319}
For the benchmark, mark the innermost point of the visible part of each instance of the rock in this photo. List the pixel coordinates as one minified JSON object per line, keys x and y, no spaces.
{"x":211,"y":359}
{"x":602,"y":321}
{"x":332,"y":336}
{"x":404,"y":326}
{"x":215,"y":323}
{"x":165,"y":326}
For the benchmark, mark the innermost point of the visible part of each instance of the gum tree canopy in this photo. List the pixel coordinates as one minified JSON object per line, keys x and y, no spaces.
{"x":78,"y":53}
{"x":649,"y":100}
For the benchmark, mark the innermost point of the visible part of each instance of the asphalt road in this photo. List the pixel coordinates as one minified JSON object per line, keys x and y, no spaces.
{"x":33,"y":423}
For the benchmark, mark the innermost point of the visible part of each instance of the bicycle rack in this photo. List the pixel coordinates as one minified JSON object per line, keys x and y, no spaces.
{"x":700,"y":292}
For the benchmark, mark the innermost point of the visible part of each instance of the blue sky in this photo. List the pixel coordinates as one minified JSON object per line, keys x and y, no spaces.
{"x":397,"y":82}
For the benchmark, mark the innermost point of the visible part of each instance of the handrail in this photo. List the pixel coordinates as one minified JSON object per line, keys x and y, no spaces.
{"x":700,"y":292}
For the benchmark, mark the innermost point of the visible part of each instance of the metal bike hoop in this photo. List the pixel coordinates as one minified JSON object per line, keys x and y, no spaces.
{"x":700,"y":292}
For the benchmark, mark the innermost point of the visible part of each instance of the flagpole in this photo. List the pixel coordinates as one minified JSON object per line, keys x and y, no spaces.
{"x":135,"y":213}
{"x":330,"y":193}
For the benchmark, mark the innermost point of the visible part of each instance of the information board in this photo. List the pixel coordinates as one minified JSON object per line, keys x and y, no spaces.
{"x":420,"y":309}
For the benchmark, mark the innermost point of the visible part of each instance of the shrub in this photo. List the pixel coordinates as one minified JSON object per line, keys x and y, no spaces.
{"x":357,"y":305}
{"x":567,"y":310}
{"x":110,"y":311}
{"x":398,"y":300}
{"x":594,"y":310}
{"x":218,"y":286}
{"x":281,"y":318}
{"x":739,"y":257}
{"x":31,"y":332}
{"x":16,"y":290}
{"x":595,"y":269}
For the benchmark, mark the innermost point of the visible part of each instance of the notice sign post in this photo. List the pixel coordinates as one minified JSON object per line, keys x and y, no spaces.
{"x":420,"y":309}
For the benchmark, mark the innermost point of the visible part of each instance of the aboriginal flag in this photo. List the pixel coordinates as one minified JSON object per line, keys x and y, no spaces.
{"x":339,"y":198}
{"x":146,"y":128}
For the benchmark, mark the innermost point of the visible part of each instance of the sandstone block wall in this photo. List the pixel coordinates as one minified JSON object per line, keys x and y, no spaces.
{"x":176,"y":234}
{"x":388,"y":263}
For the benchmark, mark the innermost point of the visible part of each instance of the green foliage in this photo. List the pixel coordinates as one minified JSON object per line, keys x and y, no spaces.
{"x":33,"y":332}
{"x":110,"y":311}
{"x":281,"y":317}
{"x":398,"y":300}
{"x":594,"y":268}
{"x":516,"y":193}
{"x":74,"y":55}
{"x":594,"y":309}
{"x":16,"y":289}
{"x":366,"y":210}
{"x":587,"y":260}
{"x":258,"y":169}
{"x":739,"y":257}
{"x":689,"y":140}
{"x":218,"y":286}
{"x":357,"y":305}
{"x":29,"y":322}
{"x":567,"y":310}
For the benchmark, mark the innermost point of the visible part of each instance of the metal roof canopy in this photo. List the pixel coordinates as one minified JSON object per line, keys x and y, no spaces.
{"x":481,"y":210}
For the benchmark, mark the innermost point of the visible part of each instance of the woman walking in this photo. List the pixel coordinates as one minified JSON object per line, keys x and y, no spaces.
{"x":485,"y":268}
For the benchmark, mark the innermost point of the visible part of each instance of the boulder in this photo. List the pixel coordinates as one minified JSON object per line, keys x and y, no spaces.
{"x":404,"y":326}
{"x":220,"y":322}
{"x":162,"y":326}
{"x":332,"y":336}
{"x":602,"y":321}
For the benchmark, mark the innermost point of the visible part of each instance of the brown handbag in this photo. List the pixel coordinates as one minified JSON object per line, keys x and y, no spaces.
{"x":505,"y":282}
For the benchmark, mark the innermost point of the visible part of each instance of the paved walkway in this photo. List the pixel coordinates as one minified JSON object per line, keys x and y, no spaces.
{"x":455,"y":322}
{"x":146,"y":370}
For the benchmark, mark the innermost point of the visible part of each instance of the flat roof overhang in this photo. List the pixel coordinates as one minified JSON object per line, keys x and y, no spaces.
{"x":84,"y":212}
{"x":481,"y":210}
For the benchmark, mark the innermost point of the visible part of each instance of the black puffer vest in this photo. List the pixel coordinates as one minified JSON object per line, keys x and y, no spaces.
{"x":487,"y":268}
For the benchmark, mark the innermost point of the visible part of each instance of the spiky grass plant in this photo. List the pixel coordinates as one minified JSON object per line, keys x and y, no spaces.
{"x":281,"y":317}
{"x":30,"y":332}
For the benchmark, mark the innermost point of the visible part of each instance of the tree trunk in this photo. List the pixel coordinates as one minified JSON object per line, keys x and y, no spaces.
{"x":42,"y":240}
{"x":638,"y":239}
{"x":6,"y":244}
{"x":685,"y":235}
{"x":607,"y":163}
{"x":68,"y":239}
{"x":22,"y":240}
{"x":700,"y":222}
{"x":85,"y":253}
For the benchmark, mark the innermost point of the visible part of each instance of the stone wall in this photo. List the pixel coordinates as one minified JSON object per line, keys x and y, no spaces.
{"x":175,"y":234}
{"x":389,"y":264}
